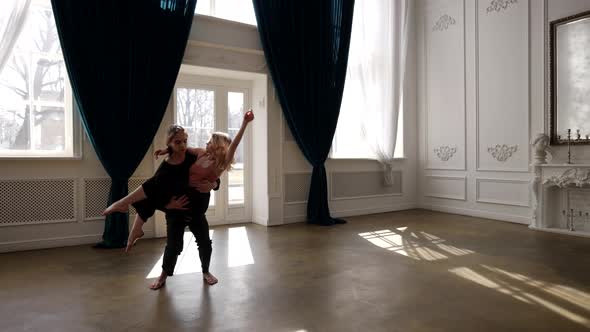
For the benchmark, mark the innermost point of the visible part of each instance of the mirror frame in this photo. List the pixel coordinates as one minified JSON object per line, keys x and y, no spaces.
{"x":553,"y":25}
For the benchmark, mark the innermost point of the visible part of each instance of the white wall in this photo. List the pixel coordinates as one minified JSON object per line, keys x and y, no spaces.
{"x":221,"y":44}
{"x":483,"y":82}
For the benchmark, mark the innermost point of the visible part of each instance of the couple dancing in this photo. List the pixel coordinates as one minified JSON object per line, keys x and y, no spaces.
{"x":181,"y":188}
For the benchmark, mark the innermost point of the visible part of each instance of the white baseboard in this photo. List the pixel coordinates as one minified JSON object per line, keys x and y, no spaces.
{"x":478,"y":213}
{"x":260,"y":221}
{"x":362,"y":212}
{"x":354,"y":212}
{"x":56,"y":242}
{"x":293,"y":219}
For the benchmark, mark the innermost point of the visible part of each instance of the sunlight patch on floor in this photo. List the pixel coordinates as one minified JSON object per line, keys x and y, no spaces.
{"x":239,"y":251}
{"x":521,"y":287}
{"x":415,"y":245}
{"x":569,"y":294}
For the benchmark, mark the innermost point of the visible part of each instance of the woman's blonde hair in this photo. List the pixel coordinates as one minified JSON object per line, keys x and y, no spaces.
{"x":220,"y":143}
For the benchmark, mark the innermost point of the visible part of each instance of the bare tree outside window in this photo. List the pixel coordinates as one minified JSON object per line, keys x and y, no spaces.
{"x":194,"y":111}
{"x":33,"y":87}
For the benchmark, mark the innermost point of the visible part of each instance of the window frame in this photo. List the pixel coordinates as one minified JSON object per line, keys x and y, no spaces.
{"x":72,"y":124}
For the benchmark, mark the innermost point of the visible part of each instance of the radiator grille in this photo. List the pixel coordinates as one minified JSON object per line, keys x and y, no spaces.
{"x":37,"y":201}
{"x":96,"y":195}
{"x":297,"y":187}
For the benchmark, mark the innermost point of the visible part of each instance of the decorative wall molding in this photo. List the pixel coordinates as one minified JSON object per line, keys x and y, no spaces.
{"x":445,"y":152}
{"x":431,"y":191}
{"x":572,"y":177}
{"x":500,"y":5}
{"x":440,"y":53}
{"x":502,"y":152}
{"x":503,"y":198}
{"x":515,"y":218}
{"x":352,"y":185}
{"x":443,"y":23}
{"x":492,"y":105}
{"x":225,"y":47}
{"x":298,"y":214}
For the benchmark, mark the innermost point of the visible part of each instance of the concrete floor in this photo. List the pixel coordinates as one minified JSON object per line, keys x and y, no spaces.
{"x":407,"y":271}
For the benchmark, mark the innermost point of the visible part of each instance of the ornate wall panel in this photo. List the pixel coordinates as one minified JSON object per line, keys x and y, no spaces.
{"x":502,"y":86}
{"x":444,"y":74}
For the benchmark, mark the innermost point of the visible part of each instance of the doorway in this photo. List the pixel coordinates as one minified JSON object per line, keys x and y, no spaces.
{"x":203,"y":105}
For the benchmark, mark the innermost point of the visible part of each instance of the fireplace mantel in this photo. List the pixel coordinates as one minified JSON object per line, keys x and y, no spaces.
{"x":550,"y":186}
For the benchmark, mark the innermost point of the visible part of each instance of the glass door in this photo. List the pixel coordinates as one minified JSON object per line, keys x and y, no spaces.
{"x":203,"y":108}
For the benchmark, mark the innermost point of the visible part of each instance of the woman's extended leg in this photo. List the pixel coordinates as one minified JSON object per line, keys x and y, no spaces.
{"x":136,"y":232}
{"x":122,"y":205}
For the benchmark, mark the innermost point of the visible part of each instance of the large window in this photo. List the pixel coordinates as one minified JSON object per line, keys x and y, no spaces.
{"x":35,"y":98}
{"x":233,"y":10}
{"x":373,"y":99}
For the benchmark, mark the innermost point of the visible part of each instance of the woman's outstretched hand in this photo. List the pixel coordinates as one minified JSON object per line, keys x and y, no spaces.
{"x":249,"y":116}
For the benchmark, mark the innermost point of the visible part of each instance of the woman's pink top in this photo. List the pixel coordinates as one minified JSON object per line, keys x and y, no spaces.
{"x":202,"y":169}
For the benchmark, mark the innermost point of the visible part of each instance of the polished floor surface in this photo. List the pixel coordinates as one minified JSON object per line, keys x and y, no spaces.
{"x":405,"y":271}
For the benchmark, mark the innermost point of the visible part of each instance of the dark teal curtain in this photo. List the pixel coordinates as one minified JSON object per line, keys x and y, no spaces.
{"x":306,"y":47}
{"x":122,"y":59}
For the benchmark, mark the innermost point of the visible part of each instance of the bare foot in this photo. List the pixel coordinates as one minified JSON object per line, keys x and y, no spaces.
{"x":210,"y":279}
{"x":116,"y":207}
{"x":160,"y":282}
{"x":134,"y":235}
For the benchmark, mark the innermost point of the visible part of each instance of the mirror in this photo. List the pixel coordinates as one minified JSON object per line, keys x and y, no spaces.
{"x":570,"y":79}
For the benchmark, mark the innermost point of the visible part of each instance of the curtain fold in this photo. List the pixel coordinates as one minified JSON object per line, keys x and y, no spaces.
{"x":306,"y":47}
{"x":122,"y":58}
{"x":13,"y":18}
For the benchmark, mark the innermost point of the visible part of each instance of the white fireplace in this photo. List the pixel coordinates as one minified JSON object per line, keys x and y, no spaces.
{"x":561,"y":198}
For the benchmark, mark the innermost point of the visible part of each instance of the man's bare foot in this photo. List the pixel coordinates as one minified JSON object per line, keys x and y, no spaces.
{"x":116,"y":207}
{"x":160,"y":282}
{"x":210,"y":279}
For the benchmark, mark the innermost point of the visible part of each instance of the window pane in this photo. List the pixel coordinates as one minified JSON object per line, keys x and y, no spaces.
{"x":235,"y":101}
{"x":50,"y":86}
{"x":349,"y":139}
{"x":49,"y":128}
{"x":236,"y":10}
{"x":195,"y":111}
{"x":14,"y":130}
{"x":233,"y":10}
{"x":367,"y":111}
{"x":33,"y":108}
{"x":198,"y":137}
{"x":203,"y":7}
{"x":39,"y":33}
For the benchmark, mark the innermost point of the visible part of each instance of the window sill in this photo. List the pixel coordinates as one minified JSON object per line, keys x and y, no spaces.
{"x":39,"y":158}
{"x":78,"y":156}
